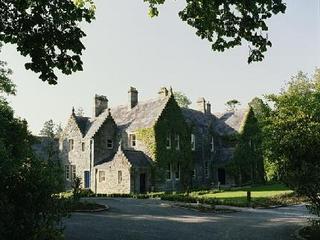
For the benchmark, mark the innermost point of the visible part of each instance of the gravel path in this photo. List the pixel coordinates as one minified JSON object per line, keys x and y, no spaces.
{"x":130,"y":219}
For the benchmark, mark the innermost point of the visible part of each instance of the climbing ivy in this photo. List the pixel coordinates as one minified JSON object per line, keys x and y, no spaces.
{"x":170,"y":122}
{"x":248,"y":161}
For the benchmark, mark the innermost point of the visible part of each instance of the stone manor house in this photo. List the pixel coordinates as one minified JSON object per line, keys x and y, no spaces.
{"x":151,"y":145}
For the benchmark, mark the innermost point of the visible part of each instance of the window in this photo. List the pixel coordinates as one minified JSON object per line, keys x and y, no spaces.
{"x":177,"y":171}
{"x":109,"y":143}
{"x":102,"y":176}
{"x":83,"y":146}
{"x":67,"y":172}
{"x":74,"y":175}
{"x":212,"y":144}
{"x":177,"y":140}
{"x":168,"y":141}
{"x":193,"y":142}
{"x":168,"y":172}
{"x":206,"y":169}
{"x":70,"y":144}
{"x":119,"y":177}
{"x":194,"y":173}
{"x":132,"y":138}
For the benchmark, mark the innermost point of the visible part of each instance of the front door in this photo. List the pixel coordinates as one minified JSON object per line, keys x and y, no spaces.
{"x":222,"y":176}
{"x":142,"y":183}
{"x":86,"y":179}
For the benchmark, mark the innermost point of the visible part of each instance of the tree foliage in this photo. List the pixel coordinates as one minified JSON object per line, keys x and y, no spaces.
{"x":6,"y":85}
{"x":293,"y":135}
{"x":182,"y":99}
{"x":232,"y":105}
{"x":230,"y":23}
{"x":28,"y":207}
{"x":46,"y":31}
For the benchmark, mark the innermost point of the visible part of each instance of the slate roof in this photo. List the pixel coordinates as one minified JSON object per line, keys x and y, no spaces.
{"x":83,"y":124}
{"x":137,"y":158}
{"x":224,"y":123}
{"x":230,"y":122}
{"x":198,"y":118}
{"x":144,"y":115}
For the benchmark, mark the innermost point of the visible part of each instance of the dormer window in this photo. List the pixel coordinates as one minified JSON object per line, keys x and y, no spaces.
{"x":132,"y":139}
{"x":212,"y":144}
{"x":109,"y":143}
{"x":71,"y":144}
{"x":168,"y":141}
{"x":193,"y":142}
{"x":177,"y":141}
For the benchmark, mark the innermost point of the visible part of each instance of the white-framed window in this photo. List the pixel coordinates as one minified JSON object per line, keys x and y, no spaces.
{"x":83,"y":145}
{"x":67,"y":172}
{"x":119,"y":177}
{"x":193,"y":142}
{"x":168,"y":172}
{"x":168,"y":141}
{"x":177,"y":141}
{"x":177,"y":171}
{"x":212,"y":144}
{"x":102,"y":176}
{"x":109,"y":143}
{"x":132,"y":139}
{"x":71,"y":144}
{"x":206,"y":169}
{"x":74,"y":172}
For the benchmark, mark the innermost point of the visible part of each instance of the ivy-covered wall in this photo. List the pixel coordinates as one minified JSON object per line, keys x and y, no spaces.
{"x":170,"y":123}
{"x":247,"y":165}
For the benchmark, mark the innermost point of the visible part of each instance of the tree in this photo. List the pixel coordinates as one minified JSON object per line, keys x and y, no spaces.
{"x":230,"y":23}
{"x":48,"y":32}
{"x":232,"y":105}
{"x":182,"y":99}
{"x":6,"y":85}
{"x":293,"y":135}
{"x":28,"y":207}
{"x":49,"y":144}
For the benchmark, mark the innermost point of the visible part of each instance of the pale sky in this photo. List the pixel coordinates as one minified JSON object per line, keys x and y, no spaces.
{"x":124,"y":47}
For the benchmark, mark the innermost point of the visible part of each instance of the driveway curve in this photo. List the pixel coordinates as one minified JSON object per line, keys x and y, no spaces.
{"x":130,"y":219}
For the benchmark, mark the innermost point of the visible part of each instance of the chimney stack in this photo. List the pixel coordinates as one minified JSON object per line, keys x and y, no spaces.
{"x":208,"y":111}
{"x":133,"y":97}
{"x":100,"y":104}
{"x":163,"y":92}
{"x":201,"y":103}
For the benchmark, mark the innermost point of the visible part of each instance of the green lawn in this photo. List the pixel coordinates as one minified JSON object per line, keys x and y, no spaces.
{"x":266,"y":191}
{"x":262,"y":196}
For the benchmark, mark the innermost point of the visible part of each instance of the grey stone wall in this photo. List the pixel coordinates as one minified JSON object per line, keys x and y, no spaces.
{"x":111,"y":184}
{"x":76,"y":156}
{"x":108,"y":130}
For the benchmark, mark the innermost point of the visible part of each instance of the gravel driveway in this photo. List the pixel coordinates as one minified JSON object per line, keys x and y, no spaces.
{"x":130,"y":219}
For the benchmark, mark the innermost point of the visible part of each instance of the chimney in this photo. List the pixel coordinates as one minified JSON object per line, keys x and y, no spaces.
{"x":208,"y":110}
{"x":133,"y":97}
{"x":100,"y":104}
{"x":201,"y":103}
{"x":163,"y":92}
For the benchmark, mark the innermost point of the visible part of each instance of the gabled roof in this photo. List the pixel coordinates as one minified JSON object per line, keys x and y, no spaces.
{"x":137,"y":158}
{"x":143,"y":115}
{"x":230,"y":122}
{"x":83,"y":124}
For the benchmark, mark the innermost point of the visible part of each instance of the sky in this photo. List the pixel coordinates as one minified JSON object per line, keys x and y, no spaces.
{"x":125,"y":47}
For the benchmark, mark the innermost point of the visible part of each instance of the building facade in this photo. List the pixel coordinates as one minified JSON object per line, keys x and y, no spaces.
{"x":151,"y":145}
